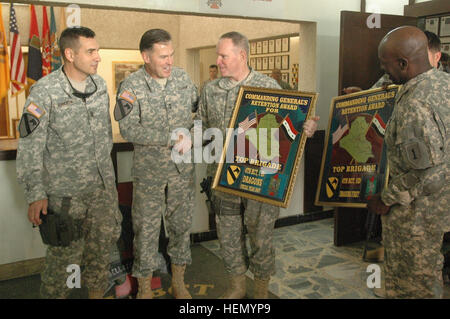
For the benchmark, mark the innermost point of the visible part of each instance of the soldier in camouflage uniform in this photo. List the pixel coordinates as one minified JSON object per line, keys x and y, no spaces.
{"x":151,"y":103}
{"x":215,"y":109}
{"x":64,"y":151}
{"x":415,"y":204}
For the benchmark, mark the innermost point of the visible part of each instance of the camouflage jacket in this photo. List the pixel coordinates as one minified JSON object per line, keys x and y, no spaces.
{"x":154,"y":112}
{"x":417,"y":139}
{"x":69,"y":151}
{"x":218,"y":99}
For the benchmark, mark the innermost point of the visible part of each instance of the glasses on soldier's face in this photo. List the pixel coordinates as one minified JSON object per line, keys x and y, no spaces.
{"x":78,"y":94}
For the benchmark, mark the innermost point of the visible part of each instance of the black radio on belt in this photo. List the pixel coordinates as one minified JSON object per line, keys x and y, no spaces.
{"x":58,"y":229}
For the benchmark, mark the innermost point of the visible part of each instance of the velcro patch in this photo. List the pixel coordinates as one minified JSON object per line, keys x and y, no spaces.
{"x":127,"y":96}
{"x":122,"y":109}
{"x":35,"y":110}
{"x":28,"y":123}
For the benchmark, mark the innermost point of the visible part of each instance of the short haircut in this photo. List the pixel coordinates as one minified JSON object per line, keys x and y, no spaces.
{"x":213,"y":66}
{"x":239,"y":40}
{"x":434,"y":43}
{"x":150,"y":37}
{"x":70,"y":38}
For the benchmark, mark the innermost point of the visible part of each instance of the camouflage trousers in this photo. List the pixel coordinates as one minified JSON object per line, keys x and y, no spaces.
{"x":173,"y":198}
{"x":99,"y":218}
{"x":412,"y":237}
{"x":259,"y":220}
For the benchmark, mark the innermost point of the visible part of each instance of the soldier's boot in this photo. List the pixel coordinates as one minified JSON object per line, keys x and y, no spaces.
{"x":145,"y":288}
{"x":95,"y":294}
{"x":179,"y":290}
{"x":237,"y":288}
{"x":261,"y":288}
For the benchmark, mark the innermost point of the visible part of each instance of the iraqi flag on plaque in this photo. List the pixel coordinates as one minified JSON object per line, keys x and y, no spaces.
{"x":378,"y":124}
{"x":289,"y":129}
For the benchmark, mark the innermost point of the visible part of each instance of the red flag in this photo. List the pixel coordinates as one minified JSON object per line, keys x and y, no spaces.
{"x":18,"y":76}
{"x":34,"y":71}
{"x":46,"y":49}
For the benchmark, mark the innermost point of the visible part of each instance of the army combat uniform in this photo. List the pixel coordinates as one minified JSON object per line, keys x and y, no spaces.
{"x":65,"y":151}
{"x":147,"y":114}
{"x":417,"y":140}
{"x":215,"y":108}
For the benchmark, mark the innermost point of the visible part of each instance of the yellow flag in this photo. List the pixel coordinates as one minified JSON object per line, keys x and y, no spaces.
{"x":4,"y":61}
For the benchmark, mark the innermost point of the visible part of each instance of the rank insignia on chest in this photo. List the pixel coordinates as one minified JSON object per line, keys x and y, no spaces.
{"x":35,"y":110}
{"x":127,"y":96}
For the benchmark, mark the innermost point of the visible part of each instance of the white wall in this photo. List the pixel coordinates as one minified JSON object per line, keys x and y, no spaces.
{"x":18,"y":241}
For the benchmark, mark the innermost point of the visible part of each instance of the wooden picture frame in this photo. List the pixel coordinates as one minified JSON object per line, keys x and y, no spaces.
{"x":121,"y":70}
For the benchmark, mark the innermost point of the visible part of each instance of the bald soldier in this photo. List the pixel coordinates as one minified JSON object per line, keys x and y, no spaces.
{"x":415,"y":204}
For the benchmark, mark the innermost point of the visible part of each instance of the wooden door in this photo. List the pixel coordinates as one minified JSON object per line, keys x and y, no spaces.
{"x":358,"y":54}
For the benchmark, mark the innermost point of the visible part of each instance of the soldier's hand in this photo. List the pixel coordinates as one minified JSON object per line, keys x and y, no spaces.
{"x":310,"y":126}
{"x":351,"y":89}
{"x":376,"y":205}
{"x":183,"y":144}
{"x":35,"y":209}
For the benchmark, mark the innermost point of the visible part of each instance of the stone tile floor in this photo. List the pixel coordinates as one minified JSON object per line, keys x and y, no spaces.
{"x":309,"y":266}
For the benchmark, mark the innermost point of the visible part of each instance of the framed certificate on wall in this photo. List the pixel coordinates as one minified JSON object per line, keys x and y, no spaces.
{"x":278,"y":45}
{"x":253,"y":48}
{"x":265,"y":47}
{"x":272,"y":46}
{"x":285,"y":45}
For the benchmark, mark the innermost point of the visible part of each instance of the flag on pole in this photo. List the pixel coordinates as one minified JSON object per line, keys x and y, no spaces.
{"x":54,"y":47}
{"x":18,"y":76}
{"x":46,"y":50}
{"x":379,"y":124}
{"x":289,"y":128}
{"x":34,"y":70}
{"x":4,"y":61}
{"x":62,"y":19}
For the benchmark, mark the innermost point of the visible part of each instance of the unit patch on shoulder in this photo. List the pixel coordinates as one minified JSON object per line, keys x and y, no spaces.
{"x":35,"y":110}
{"x":28,"y":123}
{"x":127,"y":96}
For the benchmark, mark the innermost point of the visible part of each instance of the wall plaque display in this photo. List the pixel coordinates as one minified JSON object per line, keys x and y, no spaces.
{"x":258,"y":64}
{"x":264,"y":144}
{"x":354,"y":164}
{"x":432,"y":25}
{"x":121,"y":70}
{"x":265,"y":46}
{"x":285,"y":45}
{"x":271,"y":62}
{"x":445,"y":26}
{"x":253,"y":63}
{"x":265,"y":63}
{"x":258,"y":47}
{"x":253,"y":48}
{"x":277,"y":45}
{"x":272,"y":46}
{"x":285,"y":62}
{"x":278,"y":62}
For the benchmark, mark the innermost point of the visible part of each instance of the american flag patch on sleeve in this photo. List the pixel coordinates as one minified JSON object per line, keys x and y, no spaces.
{"x":35,"y":110}
{"x":130,"y":97}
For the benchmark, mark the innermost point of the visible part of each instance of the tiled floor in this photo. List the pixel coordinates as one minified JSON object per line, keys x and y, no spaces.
{"x":308,"y":265}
